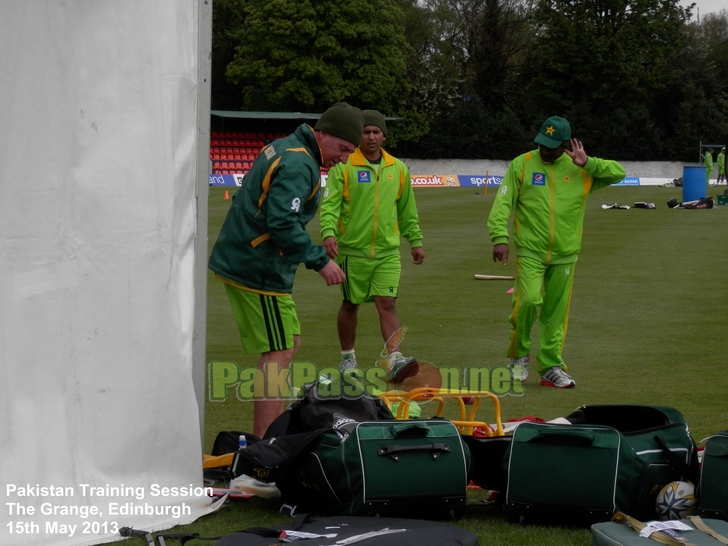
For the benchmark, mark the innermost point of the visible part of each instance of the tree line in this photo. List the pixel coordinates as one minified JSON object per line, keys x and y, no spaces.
{"x":474,"y":79}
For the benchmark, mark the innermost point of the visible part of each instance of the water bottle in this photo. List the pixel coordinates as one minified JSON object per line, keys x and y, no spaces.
{"x":242,"y":442}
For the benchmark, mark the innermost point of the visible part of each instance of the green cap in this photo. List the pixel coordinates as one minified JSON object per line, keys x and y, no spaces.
{"x":373,"y":117}
{"x":343,"y":121}
{"x":554,"y":132}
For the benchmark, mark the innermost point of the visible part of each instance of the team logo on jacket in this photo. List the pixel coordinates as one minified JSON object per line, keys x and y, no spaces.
{"x":363,"y":177}
{"x":296,"y":204}
{"x":538,"y":179}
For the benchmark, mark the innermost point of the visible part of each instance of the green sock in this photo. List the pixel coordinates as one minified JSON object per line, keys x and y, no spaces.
{"x":348,"y":355}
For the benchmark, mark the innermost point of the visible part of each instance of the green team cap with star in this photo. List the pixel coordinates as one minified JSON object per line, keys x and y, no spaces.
{"x":554,"y":132}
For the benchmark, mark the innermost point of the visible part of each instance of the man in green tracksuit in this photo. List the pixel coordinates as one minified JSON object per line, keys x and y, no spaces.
{"x":368,"y":203}
{"x":548,"y":188}
{"x":264,"y":238}
{"x":708,"y":165}
{"x":721,"y":166}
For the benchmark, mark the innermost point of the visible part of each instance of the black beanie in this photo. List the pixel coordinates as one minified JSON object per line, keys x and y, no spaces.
{"x":343,"y":121}
{"x":373,"y":117}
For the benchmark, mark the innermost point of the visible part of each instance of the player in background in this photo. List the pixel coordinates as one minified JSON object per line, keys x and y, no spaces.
{"x":720,"y":160}
{"x":367,"y":204}
{"x":708,"y":166}
{"x":548,"y":190}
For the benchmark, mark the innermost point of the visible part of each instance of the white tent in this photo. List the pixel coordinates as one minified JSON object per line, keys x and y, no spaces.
{"x":103,"y":178}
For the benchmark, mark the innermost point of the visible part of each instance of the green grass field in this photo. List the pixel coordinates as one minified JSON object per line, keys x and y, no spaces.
{"x":648,"y":325}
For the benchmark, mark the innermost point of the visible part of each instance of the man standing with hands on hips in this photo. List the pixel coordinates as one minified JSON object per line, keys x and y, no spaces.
{"x":368,"y":203}
{"x":548,"y":189}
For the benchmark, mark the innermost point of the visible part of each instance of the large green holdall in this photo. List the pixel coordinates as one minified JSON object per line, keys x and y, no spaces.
{"x":611,"y":458}
{"x":415,"y":468}
{"x":713,"y":489}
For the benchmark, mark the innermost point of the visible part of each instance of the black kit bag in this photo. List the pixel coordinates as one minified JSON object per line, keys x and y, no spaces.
{"x":319,"y":409}
{"x":713,"y":489}
{"x":487,"y":468}
{"x":297,"y":430}
{"x":380,"y":531}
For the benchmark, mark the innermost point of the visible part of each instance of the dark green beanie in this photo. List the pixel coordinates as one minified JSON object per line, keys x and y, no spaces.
{"x":373,"y":117}
{"x":344,"y":121}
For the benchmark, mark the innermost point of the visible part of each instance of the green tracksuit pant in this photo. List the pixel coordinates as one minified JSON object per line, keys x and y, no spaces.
{"x":547,"y":287}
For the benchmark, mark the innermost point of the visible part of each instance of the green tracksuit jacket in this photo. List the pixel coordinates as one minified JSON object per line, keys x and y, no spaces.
{"x":367,"y":212}
{"x":264,"y":237}
{"x":549,"y":202}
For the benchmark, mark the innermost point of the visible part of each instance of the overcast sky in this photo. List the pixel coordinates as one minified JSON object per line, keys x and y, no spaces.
{"x":705,"y":6}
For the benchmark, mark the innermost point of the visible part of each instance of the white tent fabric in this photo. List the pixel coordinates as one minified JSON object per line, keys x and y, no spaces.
{"x":98,"y":168}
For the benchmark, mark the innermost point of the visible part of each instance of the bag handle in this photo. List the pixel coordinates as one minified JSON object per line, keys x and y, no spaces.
{"x":657,"y":536}
{"x":675,"y":462}
{"x":408,"y":429}
{"x":394,"y":451}
{"x":566,"y":431}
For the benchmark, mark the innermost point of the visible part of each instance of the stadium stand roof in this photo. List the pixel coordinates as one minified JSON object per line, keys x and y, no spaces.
{"x":264,"y":115}
{"x":272,"y":115}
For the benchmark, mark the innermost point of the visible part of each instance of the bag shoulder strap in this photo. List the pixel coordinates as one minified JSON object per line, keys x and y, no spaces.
{"x":702,"y":526}
{"x":683,"y":467}
{"x":657,"y":536}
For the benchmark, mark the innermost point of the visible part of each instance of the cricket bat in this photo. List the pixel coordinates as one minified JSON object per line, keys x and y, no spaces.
{"x":494,"y":277}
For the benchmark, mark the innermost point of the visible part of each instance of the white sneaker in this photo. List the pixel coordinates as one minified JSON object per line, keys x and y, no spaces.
{"x":519,"y":368}
{"x":347,"y":364}
{"x":556,"y":377}
{"x":402,"y":366}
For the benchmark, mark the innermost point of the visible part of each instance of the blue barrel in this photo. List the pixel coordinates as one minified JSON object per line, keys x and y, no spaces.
{"x":695,"y":183}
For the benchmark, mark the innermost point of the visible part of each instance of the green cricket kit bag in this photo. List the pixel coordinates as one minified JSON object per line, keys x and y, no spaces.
{"x":713,"y":490}
{"x":611,"y":458}
{"x":416,"y":468}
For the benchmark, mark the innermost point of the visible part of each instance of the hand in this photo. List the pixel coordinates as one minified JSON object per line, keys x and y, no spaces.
{"x":577,"y":153}
{"x":332,"y":247}
{"x":418,"y":255}
{"x":332,"y":273}
{"x":500,"y":253}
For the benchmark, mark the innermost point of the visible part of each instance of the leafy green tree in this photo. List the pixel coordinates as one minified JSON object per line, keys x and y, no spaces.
{"x":592,"y":59}
{"x":304,"y":55}
{"x":697,"y":102}
{"x":464,"y":55}
{"x":228,"y":24}
{"x":498,"y":37}
{"x":434,"y":79}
